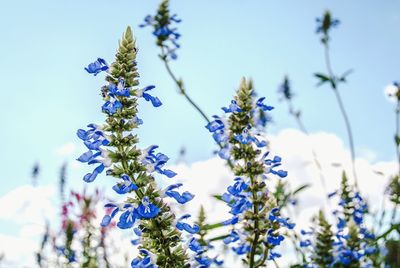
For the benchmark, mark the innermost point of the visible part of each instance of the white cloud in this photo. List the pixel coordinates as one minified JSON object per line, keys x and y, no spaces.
{"x":67,"y":149}
{"x":212,"y":177}
{"x":27,"y":206}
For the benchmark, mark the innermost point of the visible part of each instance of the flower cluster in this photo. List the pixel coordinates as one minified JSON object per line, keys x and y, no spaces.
{"x":165,"y":240}
{"x":256,"y":219}
{"x":163,"y":29}
{"x":351,"y":244}
{"x":324,"y":24}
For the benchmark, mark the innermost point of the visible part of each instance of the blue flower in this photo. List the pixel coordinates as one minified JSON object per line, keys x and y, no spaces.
{"x":274,"y":239}
{"x":305,"y":243}
{"x":215,"y":125}
{"x":148,"y":21}
{"x":118,"y":90}
{"x":183,"y":226}
{"x":231,"y":221}
{"x":231,"y":238}
{"x":242,"y":249}
{"x":273,"y":163}
{"x":147,"y":210}
{"x":111,"y":106}
{"x":126,"y":186}
{"x":127,"y":219}
{"x":96,"y":67}
{"x":264,"y":107}
{"x":225,"y":153}
{"x":142,"y":93}
{"x":325,"y":23}
{"x":167,"y":36}
{"x":107,"y":218}
{"x":233,"y":108}
{"x":220,"y":136}
{"x":273,"y":255}
{"x":246,"y":138}
{"x":155,"y":162}
{"x":240,"y":205}
{"x":238,"y":187}
{"x":195,"y":246}
{"x":275,"y":217}
{"x":90,"y":177}
{"x":144,"y":262}
{"x":180,"y":198}
{"x":204,"y":261}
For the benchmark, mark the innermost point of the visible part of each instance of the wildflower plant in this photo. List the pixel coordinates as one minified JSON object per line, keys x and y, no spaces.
{"x":350,"y":243}
{"x":167,"y":35}
{"x":256,"y":221}
{"x":114,"y":147}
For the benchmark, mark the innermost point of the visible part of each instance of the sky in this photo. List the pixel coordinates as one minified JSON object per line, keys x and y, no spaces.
{"x":47,"y":95}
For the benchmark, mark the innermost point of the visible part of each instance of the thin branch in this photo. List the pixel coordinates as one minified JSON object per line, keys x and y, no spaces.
{"x":342,"y":110}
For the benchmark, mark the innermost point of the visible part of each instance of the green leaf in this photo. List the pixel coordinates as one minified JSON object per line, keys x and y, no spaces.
{"x":344,"y":76}
{"x":213,"y":226}
{"x":301,"y":188}
{"x":218,"y":197}
{"x":397,"y":139}
{"x":322,"y":78}
{"x":221,"y":237}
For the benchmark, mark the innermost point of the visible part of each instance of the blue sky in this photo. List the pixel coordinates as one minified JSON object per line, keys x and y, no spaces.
{"x":47,"y":95}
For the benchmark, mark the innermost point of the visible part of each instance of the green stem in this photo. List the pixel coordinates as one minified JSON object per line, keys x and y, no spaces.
{"x":256,"y":224}
{"x":180,"y":85}
{"x":140,"y":195}
{"x":342,"y":110}
{"x":397,"y":133}
{"x":302,"y":127}
{"x":182,"y":91}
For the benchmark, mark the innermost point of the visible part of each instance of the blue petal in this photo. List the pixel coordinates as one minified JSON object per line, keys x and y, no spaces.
{"x":148,"y":212}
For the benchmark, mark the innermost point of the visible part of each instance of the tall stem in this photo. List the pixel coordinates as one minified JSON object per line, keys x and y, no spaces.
{"x":397,"y":134}
{"x":314,"y":154}
{"x":140,"y":195}
{"x":342,"y":110}
{"x":180,"y":86}
{"x":182,"y":91}
{"x":256,"y":224}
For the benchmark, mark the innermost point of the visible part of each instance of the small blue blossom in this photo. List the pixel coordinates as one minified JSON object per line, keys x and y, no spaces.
{"x":233,"y":237}
{"x":118,"y":90}
{"x":273,"y":255}
{"x":127,"y":218}
{"x":166,"y":34}
{"x":147,"y":210}
{"x":305,"y":243}
{"x":215,"y":125}
{"x":240,"y":205}
{"x":272,"y":164}
{"x":143,"y":94}
{"x":180,"y":198}
{"x":242,"y":249}
{"x":195,"y":246}
{"x":144,"y":262}
{"x":111,"y":106}
{"x":183,"y":226}
{"x":264,"y":107}
{"x":273,"y":238}
{"x":231,"y":221}
{"x":324,"y":24}
{"x":126,"y":186}
{"x":107,"y":218}
{"x":238,"y":187}
{"x":96,"y":67}
{"x":155,"y":162}
{"x":233,"y":108}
